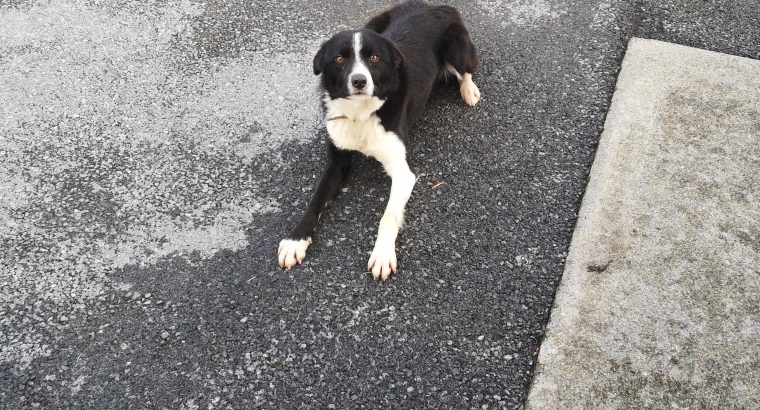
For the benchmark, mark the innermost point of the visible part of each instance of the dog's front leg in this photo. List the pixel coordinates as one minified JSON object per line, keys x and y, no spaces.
{"x":292,"y":250}
{"x":383,"y":259}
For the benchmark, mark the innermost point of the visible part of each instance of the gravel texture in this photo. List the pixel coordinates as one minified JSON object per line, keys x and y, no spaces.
{"x":154,"y":154}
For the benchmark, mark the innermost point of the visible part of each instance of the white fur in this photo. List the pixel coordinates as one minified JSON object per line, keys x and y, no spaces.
{"x":360,"y":68}
{"x":362,"y":131}
{"x":469,"y":91}
{"x":357,"y":107}
{"x":383,"y":259}
{"x":292,"y":252}
{"x":451,"y":70}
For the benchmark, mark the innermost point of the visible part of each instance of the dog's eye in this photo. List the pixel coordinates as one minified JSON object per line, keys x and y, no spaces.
{"x":339,"y":59}
{"x":374,"y":58}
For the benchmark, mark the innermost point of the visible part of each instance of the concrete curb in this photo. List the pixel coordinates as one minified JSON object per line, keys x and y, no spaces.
{"x":659,"y":300}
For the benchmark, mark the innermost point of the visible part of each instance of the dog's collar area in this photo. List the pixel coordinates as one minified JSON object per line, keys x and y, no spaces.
{"x":351,"y":109}
{"x":344,"y":117}
{"x":340,"y":117}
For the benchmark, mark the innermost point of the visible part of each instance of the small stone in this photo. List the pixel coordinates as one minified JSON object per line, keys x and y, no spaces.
{"x":481,"y":337}
{"x":148,"y":295}
{"x":164,"y":334}
{"x":243,"y":319}
{"x":123,"y":346}
{"x":409,"y":389}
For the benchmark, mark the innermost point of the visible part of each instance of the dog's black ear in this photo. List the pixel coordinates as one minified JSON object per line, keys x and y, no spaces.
{"x":319,"y":62}
{"x":398,"y":58}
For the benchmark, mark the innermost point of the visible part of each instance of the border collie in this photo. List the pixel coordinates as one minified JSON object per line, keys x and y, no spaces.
{"x":376,"y":82}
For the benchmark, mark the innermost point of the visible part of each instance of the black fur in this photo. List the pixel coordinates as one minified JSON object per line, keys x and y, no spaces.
{"x":387,"y":73}
{"x":414,"y":41}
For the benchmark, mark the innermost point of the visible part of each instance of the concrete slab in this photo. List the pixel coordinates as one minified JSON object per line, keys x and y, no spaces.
{"x":659,"y":302}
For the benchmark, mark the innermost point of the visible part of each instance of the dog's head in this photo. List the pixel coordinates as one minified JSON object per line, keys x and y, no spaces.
{"x":358,"y":64}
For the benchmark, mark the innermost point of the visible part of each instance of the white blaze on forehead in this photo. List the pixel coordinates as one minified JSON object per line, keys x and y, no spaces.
{"x":357,"y":44}
{"x":360,"y":68}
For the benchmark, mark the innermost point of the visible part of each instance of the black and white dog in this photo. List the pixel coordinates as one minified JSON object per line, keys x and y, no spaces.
{"x":376,"y":82}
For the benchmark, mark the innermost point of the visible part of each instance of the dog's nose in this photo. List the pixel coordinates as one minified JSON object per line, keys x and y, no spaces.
{"x":359,"y":81}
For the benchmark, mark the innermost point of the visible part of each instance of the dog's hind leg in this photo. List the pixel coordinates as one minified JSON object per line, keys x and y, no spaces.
{"x":292,"y":250}
{"x":467,"y":88}
{"x":461,"y":60}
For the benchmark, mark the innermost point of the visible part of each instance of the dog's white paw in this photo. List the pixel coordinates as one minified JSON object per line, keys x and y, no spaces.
{"x":383,"y":260}
{"x":292,"y":252}
{"x":470,"y":92}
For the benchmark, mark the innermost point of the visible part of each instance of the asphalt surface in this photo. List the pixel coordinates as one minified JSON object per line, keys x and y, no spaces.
{"x":154,"y":154}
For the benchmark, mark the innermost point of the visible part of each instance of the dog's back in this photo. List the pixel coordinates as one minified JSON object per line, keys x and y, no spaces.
{"x":433,"y":41}
{"x":416,"y":26}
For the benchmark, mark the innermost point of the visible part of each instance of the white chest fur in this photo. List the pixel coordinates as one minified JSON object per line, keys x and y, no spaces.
{"x":353,"y":125}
